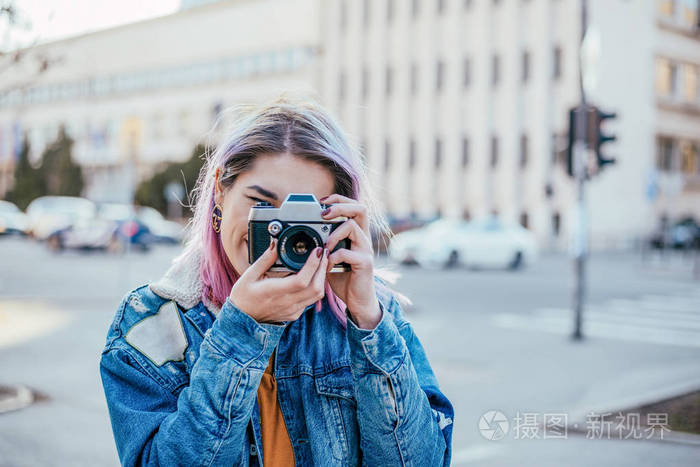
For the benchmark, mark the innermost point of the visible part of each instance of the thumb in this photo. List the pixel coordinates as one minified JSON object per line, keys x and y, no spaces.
{"x":264,"y":261}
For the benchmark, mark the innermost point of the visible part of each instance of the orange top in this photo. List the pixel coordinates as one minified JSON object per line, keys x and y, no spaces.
{"x":276,"y":445}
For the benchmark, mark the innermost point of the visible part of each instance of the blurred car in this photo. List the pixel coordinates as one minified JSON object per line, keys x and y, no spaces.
{"x":49,"y":214}
{"x":12,"y":219}
{"x":488,"y":243}
{"x":111,"y":230}
{"x":162,"y":230}
{"x":683,"y":235}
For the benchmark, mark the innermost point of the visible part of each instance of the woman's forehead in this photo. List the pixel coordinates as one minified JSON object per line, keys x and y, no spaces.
{"x":282,"y":174}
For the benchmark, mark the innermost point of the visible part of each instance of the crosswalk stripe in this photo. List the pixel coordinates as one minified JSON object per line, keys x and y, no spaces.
{"x":672,"y":320}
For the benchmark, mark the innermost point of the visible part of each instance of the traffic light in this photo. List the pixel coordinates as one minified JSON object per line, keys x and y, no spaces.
{"x":600,"y":137}
{"x":595,"y":138}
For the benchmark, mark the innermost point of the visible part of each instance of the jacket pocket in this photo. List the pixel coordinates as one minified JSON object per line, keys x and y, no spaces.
{"x":338,"y":405}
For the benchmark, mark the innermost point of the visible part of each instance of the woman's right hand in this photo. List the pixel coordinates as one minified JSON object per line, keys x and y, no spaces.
{"x":279,"y":298}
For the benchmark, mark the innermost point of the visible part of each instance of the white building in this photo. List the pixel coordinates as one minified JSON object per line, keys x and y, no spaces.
{"x":148,"y":92}
{"x":462,"y":106}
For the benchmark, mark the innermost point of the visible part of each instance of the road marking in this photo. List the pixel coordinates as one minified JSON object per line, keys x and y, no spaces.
{"x":667,"y":320}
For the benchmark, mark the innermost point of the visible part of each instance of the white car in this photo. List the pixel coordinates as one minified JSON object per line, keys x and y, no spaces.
{"x":48,"y":214}
{"x":12,"y":219}
{"x":487,"y":243}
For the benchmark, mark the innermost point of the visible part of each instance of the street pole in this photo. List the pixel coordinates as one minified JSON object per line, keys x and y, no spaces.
{"x":580,"y":156}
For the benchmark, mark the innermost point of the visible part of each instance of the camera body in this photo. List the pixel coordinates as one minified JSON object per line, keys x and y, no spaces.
{"x":299,"y":228}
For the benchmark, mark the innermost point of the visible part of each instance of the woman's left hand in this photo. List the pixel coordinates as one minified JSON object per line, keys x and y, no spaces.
{"x":355,"y":287}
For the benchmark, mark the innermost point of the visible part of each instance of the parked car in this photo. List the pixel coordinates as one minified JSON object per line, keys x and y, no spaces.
{"x":49,"y":214}
{"x":488,"y":243}
{"x":683,"y":235}
{"x":100,"y":233}
{"x":162,"y":230}
{"x":12,"y":219}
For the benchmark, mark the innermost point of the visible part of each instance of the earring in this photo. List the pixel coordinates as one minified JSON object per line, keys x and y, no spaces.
{"x":216,"y":218}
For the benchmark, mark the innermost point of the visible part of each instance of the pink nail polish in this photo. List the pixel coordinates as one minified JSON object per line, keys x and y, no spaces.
{"x":325,"y":252}
{"x":325,"y":211}
{"x":318,"y":252}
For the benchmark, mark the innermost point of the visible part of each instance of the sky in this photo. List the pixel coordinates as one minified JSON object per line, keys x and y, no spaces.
{"x":55,"y":19}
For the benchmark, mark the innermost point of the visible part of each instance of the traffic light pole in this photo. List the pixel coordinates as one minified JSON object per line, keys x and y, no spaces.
{"x":580,"y":158}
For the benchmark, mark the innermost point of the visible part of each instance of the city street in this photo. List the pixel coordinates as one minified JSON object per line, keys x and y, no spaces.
{"x":497,"y":340}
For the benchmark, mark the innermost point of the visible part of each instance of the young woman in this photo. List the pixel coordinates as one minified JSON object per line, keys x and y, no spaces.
{"x":222,"y":362}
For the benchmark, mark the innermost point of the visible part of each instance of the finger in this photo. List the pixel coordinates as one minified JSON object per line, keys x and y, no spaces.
{"x":303,"y":277}
{"x":349,"y":229}
{"x":314,"y":291}
{"x":264,"y":262}
{"x":356,"y":259}
{"x":353,"y":210}
{"x":336,"y":198}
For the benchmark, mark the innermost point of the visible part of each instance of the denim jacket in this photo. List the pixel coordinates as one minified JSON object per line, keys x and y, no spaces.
{"x":181,"y":383}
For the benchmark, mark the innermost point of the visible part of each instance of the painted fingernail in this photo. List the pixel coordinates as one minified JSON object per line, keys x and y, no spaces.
{"x":318,"y":252}
{"x":324,"y":198}
{"x":325,"y":211}
{"x":325,"y":252}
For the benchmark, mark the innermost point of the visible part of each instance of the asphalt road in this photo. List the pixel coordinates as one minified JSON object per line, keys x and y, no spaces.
{"x":497,"y":340}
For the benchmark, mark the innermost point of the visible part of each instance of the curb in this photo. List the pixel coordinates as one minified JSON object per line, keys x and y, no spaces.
{"x":580,"y":417}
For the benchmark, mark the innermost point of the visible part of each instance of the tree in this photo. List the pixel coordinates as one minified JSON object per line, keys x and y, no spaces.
{"x":151,"y":192}
{"x":61,"y":174}
{"x":29,"y":183}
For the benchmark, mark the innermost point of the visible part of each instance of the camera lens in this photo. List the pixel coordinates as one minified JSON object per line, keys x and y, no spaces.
{"x":296,"y":244}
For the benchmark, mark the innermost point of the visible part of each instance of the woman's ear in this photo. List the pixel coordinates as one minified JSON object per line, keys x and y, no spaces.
{"x":218,"y":188}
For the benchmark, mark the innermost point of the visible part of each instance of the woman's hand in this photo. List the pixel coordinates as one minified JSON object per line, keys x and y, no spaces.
{"x":279,"y":298}
{"x":355,"y":287}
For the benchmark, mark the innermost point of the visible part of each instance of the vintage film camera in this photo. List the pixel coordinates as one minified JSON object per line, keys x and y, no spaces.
{"x":298,"y":227}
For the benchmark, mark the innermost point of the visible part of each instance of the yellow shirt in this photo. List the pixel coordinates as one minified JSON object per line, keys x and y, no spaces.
{"x":276,"y":445}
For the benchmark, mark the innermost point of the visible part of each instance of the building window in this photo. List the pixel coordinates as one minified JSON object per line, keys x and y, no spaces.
{"x":690,"y":83}
{"x":341,"y":86}
{"x":343,"y":15}
{"x":689,"y":158}
{"x":556,"y":224}
{"x":467,"y":72}
{"x":389,"y":11}
{"x":523,"y":151}
{"x":438,"y":153}
{"x":495,"y":70}
{"x":365,"y":13}
{"x":415,"y":8}
{"x":494,"y":152}
{"x":441,"y":6}
{"x":439,"y":75}
{"x":665,"y":149}
{"x":465,"y":152}
{"x":525,"y":72}
{"x":667,"y":8}
{"x":524,"y":220}
{"x":556,"y":63}
{"x":414,"y":79}
{"x":387,"y":155}
{"x":666,"y":76}
{"x":365,"y":82}
{"x":388,"y":80}
{"x":411,"y":154}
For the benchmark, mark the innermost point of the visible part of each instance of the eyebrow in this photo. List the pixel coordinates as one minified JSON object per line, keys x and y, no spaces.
{"x":263,"y":191}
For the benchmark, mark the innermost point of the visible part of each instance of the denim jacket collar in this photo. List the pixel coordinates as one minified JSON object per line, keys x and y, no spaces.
{"x":182,"y":282}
